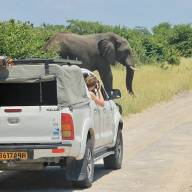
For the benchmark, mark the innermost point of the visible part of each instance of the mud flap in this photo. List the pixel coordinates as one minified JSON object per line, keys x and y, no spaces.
{"x":75,"y":169}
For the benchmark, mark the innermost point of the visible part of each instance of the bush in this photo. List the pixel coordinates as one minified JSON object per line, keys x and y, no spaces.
{"x":20,"y":40}
{"x":181,"y":39}
{"x":166,"y":43}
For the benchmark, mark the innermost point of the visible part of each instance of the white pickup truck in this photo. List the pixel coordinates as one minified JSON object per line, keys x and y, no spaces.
{"x":48,"y":119}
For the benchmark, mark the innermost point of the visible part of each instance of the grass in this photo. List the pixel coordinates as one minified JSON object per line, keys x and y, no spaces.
{"x":152,"y":84}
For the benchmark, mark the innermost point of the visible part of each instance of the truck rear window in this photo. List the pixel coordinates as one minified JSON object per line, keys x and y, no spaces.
{"x":28,"y":94}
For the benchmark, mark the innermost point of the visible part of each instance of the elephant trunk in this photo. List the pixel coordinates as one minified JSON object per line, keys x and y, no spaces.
{"x":129,"y":74}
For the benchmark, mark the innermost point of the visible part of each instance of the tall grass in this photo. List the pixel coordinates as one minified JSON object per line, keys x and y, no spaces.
{"x":152,"y":84}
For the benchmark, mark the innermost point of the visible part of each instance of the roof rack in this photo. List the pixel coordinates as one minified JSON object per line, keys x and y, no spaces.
{"x":47,"y":61}
{"x":4,"y":61}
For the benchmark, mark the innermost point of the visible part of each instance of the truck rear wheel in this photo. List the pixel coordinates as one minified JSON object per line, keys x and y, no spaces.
{"x":87,"y":168}
{"x":115,"y":161}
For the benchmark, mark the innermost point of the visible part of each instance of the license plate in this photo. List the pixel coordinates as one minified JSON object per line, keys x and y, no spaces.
{"x":13,"y":155}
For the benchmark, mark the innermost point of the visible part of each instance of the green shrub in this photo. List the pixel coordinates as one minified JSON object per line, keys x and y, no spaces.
{"x":165,"y":43}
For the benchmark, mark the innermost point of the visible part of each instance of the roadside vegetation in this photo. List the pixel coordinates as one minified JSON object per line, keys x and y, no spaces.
{"x":160,"y":53}
{"x":153,"y":84}
{"x":162,"y":43}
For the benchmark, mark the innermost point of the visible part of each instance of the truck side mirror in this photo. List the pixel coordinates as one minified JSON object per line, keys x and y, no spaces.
{"x":114,"y":94}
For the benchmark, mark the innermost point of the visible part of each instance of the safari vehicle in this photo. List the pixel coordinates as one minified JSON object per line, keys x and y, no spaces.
{"x":48,"y":119}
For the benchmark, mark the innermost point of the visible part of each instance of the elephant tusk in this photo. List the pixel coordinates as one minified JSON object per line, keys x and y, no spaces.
{"x":133,"y":68}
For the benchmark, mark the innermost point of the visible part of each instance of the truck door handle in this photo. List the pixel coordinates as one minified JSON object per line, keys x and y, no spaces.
{"x":13,"y":120}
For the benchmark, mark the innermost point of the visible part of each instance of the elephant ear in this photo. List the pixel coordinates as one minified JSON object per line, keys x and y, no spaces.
{"x":107,"y":50}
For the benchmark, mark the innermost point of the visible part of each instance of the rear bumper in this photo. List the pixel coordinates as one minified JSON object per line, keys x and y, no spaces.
{"x":42,"y":151}
{"x":39,"y":155}
{"x":34,"y":146}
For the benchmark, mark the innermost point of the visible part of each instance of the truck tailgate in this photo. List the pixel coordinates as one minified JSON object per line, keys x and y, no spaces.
{"x":30,"y":124}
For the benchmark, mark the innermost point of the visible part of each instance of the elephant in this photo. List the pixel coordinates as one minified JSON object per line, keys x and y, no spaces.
{"x":97,"y":52}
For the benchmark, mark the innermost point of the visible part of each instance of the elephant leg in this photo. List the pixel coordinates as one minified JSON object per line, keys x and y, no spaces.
{"x":106,"y":77}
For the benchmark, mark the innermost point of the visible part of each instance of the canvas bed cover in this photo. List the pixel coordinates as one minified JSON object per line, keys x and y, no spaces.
{"x":71,"y":88}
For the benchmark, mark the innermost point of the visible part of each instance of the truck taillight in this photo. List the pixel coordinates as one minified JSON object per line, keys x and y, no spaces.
{"x":67,"y":127}
{"x":13,"y":110}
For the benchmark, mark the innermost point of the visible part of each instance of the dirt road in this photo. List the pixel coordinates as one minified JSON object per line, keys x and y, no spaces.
{"x":157,"y":156}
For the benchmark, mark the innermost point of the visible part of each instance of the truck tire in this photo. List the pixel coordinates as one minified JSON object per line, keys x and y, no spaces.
{"x":87,"y":168}
{"x":115,"y":161}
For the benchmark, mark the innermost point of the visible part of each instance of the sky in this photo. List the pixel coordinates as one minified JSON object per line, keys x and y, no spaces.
{"x":130,"y":13}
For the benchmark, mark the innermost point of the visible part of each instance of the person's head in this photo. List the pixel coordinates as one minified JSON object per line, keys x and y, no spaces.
{"x":91,"y":82}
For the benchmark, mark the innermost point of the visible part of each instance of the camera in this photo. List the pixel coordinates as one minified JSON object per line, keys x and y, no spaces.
{"x":97,"y":86}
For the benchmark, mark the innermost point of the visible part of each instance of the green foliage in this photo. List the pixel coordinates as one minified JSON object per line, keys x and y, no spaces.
{"x":20,"y":40}
{"x":172,"y":56}
{"x":85,"y":27}
{"x":159,"y":83}
{"x":181,"y":39}
{"x":165,"y":43}
{"x":162,"y":50}
{"x":162,"y":28}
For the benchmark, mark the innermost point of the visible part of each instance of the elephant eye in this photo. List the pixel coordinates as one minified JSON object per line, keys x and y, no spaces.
{"x":123,"y":54}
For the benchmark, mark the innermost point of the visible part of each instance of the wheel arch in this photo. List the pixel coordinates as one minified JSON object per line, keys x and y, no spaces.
{"x":120,"y":125}
{"x":87,"y":132}
{"x":91,"y":135}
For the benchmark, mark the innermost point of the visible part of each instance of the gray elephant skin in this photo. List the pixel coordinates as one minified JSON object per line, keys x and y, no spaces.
{"x":97,"y":52}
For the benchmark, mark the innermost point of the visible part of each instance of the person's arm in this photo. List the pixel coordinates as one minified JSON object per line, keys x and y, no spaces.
{"x":100,"y":101}
{"x":101,"y":97}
